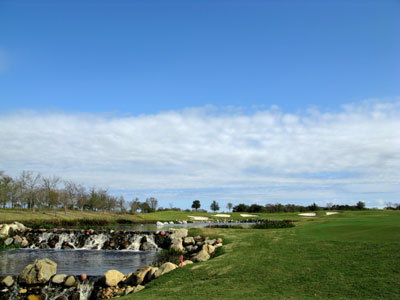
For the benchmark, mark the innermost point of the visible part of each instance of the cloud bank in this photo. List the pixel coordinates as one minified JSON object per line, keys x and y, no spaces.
{"x":228,"y":155}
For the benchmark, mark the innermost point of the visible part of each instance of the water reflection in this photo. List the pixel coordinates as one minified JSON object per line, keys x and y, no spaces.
{"x":91,"y":262}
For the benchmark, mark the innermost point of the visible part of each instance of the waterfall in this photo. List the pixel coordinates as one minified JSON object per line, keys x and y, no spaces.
{"x":85,"y":289}
{"x":134,"y":242}
{"x":65,"y":237}
{"x":96,"y":241}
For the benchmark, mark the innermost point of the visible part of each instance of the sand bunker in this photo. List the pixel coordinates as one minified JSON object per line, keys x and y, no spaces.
{"x":308,"y":214}
{"x":222,"y":215}
{"x":246,"y":215}
{"x":331,"y":213}
{"x":199,"y":218}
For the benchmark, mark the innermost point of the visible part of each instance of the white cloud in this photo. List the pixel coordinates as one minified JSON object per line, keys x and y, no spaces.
{"x":313,"y":154}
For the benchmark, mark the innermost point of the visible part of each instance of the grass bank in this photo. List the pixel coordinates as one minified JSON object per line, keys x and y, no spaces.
{"x":355,"y":255}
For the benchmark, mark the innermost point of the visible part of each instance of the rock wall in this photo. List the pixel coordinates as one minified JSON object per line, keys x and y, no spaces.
{"x":40,"y":281}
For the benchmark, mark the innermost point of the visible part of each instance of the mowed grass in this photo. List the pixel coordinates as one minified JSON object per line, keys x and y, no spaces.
{"x":354,"y":255}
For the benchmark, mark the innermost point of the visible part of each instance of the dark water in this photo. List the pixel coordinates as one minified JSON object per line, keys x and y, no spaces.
{"x":91,"y":262}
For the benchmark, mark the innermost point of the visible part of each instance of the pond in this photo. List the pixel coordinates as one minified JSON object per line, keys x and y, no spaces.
{"x":74,"y":262}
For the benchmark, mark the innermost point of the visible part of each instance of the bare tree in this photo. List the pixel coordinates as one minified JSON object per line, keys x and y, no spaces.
{"x":152,"y":202}
{"x":229,"y":206}
{"x":30,"y":184}
{"x":121,"y":204}
{"x":52,"y":196}
{"x":70,"y":193}
{"x":81,"y":197}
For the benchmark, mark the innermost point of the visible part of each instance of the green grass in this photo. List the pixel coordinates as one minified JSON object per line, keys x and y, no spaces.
{"x":354,"y":255}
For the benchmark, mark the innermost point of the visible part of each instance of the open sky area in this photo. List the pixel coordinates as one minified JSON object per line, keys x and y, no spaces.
{"x":234,"y":101}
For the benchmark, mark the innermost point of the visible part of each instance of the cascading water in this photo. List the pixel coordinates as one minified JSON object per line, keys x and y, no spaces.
{"x":96,"y":242}
{"x":85,"y":289}
{"x":134,"y":242}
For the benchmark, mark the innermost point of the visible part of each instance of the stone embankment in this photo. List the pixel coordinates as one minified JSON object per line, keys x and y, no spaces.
{"x":40,"y":281}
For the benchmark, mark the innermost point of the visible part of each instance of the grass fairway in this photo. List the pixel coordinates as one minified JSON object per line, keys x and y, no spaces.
{"x":354,"y":255}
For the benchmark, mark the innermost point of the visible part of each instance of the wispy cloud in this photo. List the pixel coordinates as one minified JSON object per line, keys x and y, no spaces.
{"x":353,"y":152}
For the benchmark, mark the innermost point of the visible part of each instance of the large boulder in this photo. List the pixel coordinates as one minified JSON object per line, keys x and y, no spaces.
{"x":176,"y":244}
{"x":7,"y":281}
{"x":59,"y":278}
{"x":19,"y":226}
{"x":113,"y":277}
{"x":201,"y":256}
{"x":165,"y":268}
{"x":188,"y":241}
{"x":150,"y":274}
{"x":178,"y":233}
{"x":139,"y":276}
{"x":39,"y":272}
{"x":4,"y":229}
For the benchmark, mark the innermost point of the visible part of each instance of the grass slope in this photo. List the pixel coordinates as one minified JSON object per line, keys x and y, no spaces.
{"x":10,"y":215}
{"x":354,"y":255}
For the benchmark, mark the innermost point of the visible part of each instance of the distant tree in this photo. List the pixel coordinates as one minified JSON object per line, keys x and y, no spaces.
{"x":214,"y":206}
{"x":313,"y":207}
{"x":229,"y":206}
{"x":145,"y":207}
{"x":196,"y":204}
{"x":134,"y":205}
{"x":29,"y":184}
{"x":152,"y":202}
{"x":121,"y":204}
{"x":81,"y":197}
{"x":360,"y":205}
{"x":241,"y":208}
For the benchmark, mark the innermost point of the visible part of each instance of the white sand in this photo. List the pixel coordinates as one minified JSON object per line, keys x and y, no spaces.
{"x":331,"y":213}
{"x":246,"y":215}
{"x":308,"y":214}
{"x":199,"y":218}
{"x":222,"y":215}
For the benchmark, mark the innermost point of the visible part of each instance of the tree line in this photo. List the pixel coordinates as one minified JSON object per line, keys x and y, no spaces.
{"x":35,"y":191}
{"x":281,"y":208}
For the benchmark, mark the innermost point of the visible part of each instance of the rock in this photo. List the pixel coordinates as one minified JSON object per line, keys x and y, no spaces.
{"x":201,"y":256}
{"x":219,"y":240}
{"x":7,"y":281}
{"x":8,"y":241}
{"x":24,"y":242}
{"x":187,"y":262}
{"x":138,"y":288}
{"x":165,"y":268}
{"x":189,"y":248}
{"x":39,"y":272}
{"x":163,"y":233}
{"x":113,"y":277}
{"x":141,"y":275}
{"x":210,"y":249}
{"x":128,"y":290}
{"x":4,"y":230}
{"x":218,"y":245}
{"x":23,"y":291}
{"x":159,"y":224}
{"x":71,"y":281}
{"x":188,"y":241}
{"x":178,"y":233}
{"x":62,"y":298}
{"x":176,"y":244}
{"x":17,"y":241}
{"x":59,"y":278}
{"x":83,"y":277}
{"x":211,"y":242}
{"x":150,"y":274}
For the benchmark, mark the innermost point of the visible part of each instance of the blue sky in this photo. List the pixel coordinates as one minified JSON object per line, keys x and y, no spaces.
{"x":248,"y":80}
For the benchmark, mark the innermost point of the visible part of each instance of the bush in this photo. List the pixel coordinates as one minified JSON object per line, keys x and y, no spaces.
{"x":168,"y":255}
{"x":273,"y":224}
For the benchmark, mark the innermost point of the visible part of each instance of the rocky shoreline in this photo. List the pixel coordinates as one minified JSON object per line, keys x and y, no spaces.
{"x":40,"y":281}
